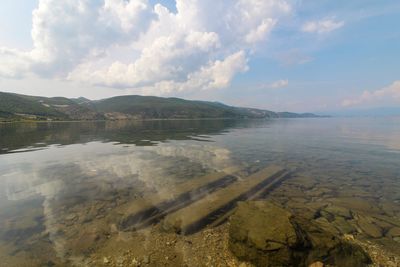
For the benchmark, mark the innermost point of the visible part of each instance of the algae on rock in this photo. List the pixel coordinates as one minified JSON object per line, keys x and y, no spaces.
{"x":267,"y":235}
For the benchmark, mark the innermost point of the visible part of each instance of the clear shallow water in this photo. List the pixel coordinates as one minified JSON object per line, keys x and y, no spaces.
{"x":62,"y":184}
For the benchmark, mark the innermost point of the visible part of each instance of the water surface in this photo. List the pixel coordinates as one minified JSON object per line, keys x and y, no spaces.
{"x":62,"y":184}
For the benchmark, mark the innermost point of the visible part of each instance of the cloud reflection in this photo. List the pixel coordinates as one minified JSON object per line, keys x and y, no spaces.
{"x":78,"y":182}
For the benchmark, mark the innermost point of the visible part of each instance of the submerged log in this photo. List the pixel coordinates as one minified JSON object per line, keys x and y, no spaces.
{"x":145,"y":211}
{"x":273,"y":183}
{"x":203,"y":212}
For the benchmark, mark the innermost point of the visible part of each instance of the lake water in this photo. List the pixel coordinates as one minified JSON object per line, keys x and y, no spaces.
{"x":63,"y":186}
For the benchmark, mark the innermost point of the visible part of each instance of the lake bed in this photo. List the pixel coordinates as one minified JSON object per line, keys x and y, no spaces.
{"x":66,"y":187}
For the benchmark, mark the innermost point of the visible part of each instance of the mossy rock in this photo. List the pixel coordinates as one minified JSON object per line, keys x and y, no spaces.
{"x":356,"y":204}
{"x":394,"y":232}
{"x":267,"y":235}
{"x":368,"y":227}
{"x":329,"y":247}
{"x":339,"y":211}
{"x":262,"y":233}
{"x":324,"y":225}
{"x":328,"y":216}
{"x":344,"y":226}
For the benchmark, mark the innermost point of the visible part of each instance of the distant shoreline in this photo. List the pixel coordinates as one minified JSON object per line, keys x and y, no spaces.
{"x":172,"y":119}
{"x":15,"y":107}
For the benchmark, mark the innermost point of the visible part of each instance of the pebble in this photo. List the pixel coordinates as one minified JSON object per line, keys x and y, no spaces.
{"x":146,"y":259}
{"x":71,"y":217}
{"x":135,"y":262}
{"x":106,"y":260}
{"x":120,"y":260}
{"x":316,"y":264}
{"x":348,"y":237}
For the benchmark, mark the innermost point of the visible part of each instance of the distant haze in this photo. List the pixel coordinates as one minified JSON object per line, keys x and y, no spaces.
{"x":366,"y":112}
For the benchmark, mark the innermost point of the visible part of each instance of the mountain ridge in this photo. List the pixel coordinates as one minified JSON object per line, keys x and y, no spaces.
{"x":18,"y":107}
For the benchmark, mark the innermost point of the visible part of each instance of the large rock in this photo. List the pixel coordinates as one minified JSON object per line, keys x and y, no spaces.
{"x":267,"y":235}
{"x":262,"y":233}
{"x":368,"y":227}
{"x":344,"y":226}
{"x":394,"y":232}
{"x":339,"y":211}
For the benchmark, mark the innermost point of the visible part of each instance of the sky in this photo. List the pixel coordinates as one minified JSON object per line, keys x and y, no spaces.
{"x":292,"y":55}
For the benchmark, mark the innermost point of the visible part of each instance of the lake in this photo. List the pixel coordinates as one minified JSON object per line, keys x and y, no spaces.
{"x":65,"y":187}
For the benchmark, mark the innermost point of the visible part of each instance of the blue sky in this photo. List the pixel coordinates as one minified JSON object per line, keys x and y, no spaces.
{"x":274,"y":54}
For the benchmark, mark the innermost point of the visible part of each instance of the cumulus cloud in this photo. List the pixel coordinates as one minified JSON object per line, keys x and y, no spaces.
{"x":259,"y":33}
{"x":214,"y":75}
{"x":168,"y":57}
{"x":275,"y":85}
{"x":322,"y":26}
{"x":65,"y":33}
{"x":391,"y":92}
{"x":194,"y":47}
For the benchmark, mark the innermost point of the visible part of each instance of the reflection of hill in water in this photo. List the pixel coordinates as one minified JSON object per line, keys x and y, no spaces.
{"x":141,"y":133}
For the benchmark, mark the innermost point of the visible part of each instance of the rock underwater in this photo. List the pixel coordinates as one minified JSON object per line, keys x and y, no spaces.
{"x":267,"y":235}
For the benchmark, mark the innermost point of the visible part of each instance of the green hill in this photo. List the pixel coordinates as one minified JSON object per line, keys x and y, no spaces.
{"x":17,"y":106}
{"x":162,"y":108}
{"x":22,"y":107}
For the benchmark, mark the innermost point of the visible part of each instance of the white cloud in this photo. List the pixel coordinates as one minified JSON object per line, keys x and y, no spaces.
{"x":280,"y":84}
{"x":322,"y":26}
{"x":65,"y":33}
{"x":167,"y":58}
{"x":389,"y":93}
{"x":215,"y":75}
{"x":275,"y":85}
{"x":261,"y":31}
{"x":196,"y":47}
{"x":13,"y":63}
